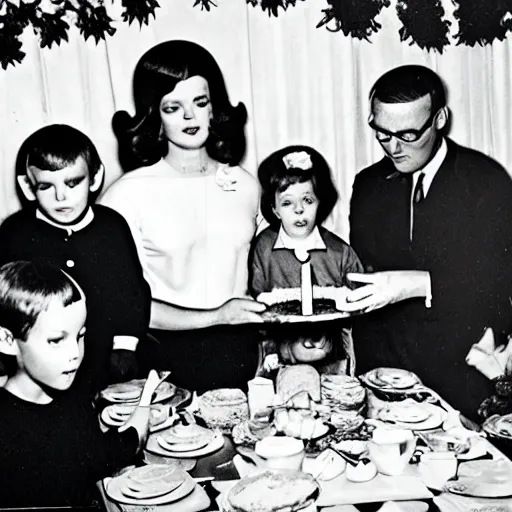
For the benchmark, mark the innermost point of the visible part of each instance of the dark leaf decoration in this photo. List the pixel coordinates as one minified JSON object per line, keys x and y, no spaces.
{"x":205,"y":4}
{"x":355,"y":18}
{"x":94,"y":21}
{"x":272,"y":6}
{"x":423,"y":23}
{"x":140,"y":10}
{"x":50,"y":28}
{"x":12,"y":24}
{"x":483,"y":21}
{"x":10,"y":49}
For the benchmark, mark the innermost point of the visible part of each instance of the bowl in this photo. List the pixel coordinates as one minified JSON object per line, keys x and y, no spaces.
{"x":281,"y":452}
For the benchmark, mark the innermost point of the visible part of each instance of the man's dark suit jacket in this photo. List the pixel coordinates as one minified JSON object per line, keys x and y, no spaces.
{"x":463,"y":238}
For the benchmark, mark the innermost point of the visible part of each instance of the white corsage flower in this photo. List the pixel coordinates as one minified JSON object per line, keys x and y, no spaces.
{"x":225,"y":179}
{"x":298,"y":160}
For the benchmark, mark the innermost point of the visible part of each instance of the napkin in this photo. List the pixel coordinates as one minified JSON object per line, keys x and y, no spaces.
{"x":487,"y":358}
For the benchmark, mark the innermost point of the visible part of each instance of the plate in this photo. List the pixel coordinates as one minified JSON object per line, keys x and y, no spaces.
{"x":165,"y":391}
{"x":114,"y":416}
{"x":434,"y":417}
{"x":185,"y":464}
{"x":499,"y":426}
{"x":476,"y":489}
{"x":114,"y":486}
{"x":154,"y":445}
{"x":389,"y":379}
{"x":281,"y":319}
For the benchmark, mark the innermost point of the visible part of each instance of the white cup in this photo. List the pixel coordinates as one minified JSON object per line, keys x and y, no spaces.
{"x":281,"y":452}
{"x":391,"y":450}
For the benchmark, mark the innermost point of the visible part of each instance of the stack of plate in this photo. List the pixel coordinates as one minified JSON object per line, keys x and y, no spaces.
{"x":116,"y":415}
{"x":390,"y":379}
{"x":499,"y":426}
{"x":155,"y":484}
{"x":185,"y":441}
{"x":342,"y":393}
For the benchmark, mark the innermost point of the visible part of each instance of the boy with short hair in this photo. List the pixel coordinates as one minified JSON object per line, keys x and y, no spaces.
{"x":51,"y":448}
{"x":93,"y":243}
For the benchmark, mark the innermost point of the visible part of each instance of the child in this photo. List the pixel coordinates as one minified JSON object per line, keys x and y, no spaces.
{"x":62,"y":173}
{"x":298,"y":195}
{"x":51,"y":448}
{"x":317,"y":344}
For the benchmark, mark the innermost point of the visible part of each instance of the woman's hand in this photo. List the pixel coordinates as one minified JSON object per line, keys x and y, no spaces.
{"x":240,"y":311}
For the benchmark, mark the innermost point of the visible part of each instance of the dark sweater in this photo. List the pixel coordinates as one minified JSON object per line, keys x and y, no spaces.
{"x":52,"y":455}
{"x":279,"y":268}
{"x":103,"y":259}
{"x":463,"y":238}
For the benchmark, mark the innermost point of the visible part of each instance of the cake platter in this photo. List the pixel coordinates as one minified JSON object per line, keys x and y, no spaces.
{"x":284,"y":305}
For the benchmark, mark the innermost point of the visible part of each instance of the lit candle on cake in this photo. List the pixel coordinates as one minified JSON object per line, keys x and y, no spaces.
{"x":305,"y":282}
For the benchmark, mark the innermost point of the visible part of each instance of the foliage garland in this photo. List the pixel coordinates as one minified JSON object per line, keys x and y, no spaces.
{"x":51,"y":19}
{"x":431,"y":35}
{"x":354,"y":18}
{"x":423,"y":21}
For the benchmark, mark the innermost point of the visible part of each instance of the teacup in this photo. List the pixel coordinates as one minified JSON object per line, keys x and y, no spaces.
{"x":391,"y":450}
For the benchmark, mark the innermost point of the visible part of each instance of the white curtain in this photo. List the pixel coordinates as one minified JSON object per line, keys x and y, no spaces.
{"x":300,"y":85}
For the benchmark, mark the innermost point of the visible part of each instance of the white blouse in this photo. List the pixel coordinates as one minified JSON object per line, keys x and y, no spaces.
{"x":192,"y":236}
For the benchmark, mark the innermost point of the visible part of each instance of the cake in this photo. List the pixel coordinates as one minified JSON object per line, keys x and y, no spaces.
{"x":287,"y":301}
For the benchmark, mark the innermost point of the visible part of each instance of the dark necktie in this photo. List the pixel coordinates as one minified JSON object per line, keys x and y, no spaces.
{"x":419,"y":194}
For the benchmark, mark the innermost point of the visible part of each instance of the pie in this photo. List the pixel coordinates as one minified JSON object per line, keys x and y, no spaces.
{"x":288,"y":491}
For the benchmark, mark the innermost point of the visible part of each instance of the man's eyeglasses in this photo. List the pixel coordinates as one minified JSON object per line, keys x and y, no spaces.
{"x":411,"y":135}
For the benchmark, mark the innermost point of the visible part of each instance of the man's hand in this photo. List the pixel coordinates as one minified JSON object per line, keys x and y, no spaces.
{"x":123,"y":365}
{"x":383,"y":288}
{"x":241,"y":311}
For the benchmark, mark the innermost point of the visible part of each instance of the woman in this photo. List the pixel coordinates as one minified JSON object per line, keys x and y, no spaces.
{"x":192,"y":211}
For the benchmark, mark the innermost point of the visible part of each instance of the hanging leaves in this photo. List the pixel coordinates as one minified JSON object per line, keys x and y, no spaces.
{"x":205,"y":4}
{"x":140,"y":10}
{"x":423,"y":23}
{"x":272,"y":6}
{"x":483,"y":21}
{"x":94,"y":21}
{"x":355,"y":18}
{"x":12,"y":24}
{"x":50,"y":28}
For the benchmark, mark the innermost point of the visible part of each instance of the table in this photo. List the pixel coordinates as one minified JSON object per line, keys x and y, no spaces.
{"x":220,"y":465}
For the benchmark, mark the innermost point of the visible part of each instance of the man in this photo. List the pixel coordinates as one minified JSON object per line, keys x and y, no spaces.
{"x":432,"y":222}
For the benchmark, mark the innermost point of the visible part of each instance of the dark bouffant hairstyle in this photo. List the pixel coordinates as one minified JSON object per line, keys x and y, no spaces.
{"x":409,"y":83}
{"x":57,"y":146}
{"x":156,"y":74}
{"x":275,"y":177}
{"x":26,"y":289}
